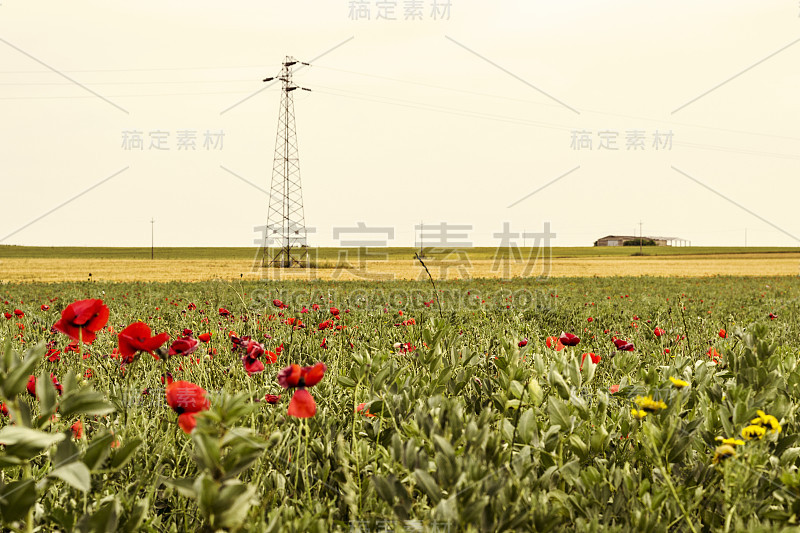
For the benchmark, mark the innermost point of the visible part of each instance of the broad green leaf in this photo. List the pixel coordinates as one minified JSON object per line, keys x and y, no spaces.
{"x":76,"y":474}
{"x":85,"y":402}
{"x":46,"y":393}
{"x":345,"y":381}
{"x":233,"y":502}
{"x":18,"y":496}
{"x":125,"y":453}
{"x":17,"y":379}
{"x":18,"y":435}
{"x":428,"y":485}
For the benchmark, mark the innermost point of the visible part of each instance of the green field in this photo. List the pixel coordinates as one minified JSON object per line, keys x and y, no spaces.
{"x":472,"y":419}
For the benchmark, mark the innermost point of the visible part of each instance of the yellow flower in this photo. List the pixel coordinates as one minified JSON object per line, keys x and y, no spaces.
{"x":767,"y":421}
{"x":679,"y":383}
{"x":723,"y":452}
{"x":648,"y":404}
{"x":731,"y":442}
{"x":638,"y":413}
{"x":753,"y":432}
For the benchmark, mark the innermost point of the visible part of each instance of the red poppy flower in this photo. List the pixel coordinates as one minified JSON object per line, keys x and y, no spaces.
{"x":31,"y":386}
{"x":252,"y":366}
{"x":324,"y":343}
{"x":522,"y":343}
{"x":45,"y":307}
{"x":187,"y":399}
{"x":279,"y":304}
{"x":772,"y":316}
{"x":568,"y":339}
{"x":57,"y":385}
{"x":137,"y":338}
{"x":403,"y":347}
{"x":19,"y":312}
{"x":302,"y":404}
{"x":658,"y":332}
{"x":204,"y":337}
{"x":723,"y":333}
{"x":272,"y":399}
{"x":183,"y":346}
{"x":7,"y":315}
{"x":623,"y":346}
{"x":187,"y":332}
{"x":335,"y":311}
{"x":77,"y":429}
{"x":613,"y":389}
{"x":191,"y":306}
{"x":713,"y":354}
{"x":594,"y":357}
{"x":52,"y":355}
{"x":72,"y":347}
{"x":297,"y":376}
{"x":3,"y":409}
{"x":554,"y":343}
{"x":362,"y":410}
{"x":83,"y":319}
{"x":224,"y":312}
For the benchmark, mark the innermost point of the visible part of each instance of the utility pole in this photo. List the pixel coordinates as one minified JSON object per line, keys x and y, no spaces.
{"x":640,"y":237}
{"x":421,"y":245}
{"x":152,"y":241}
{"x":285,"y":216}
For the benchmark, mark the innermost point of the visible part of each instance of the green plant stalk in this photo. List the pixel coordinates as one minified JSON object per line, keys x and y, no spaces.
{"x":306,"y":480}
{"x":353,"y":441}
{"x":685,"y":327}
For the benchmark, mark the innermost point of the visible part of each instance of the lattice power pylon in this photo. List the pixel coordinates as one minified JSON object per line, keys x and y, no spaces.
{"x":286,"y":226}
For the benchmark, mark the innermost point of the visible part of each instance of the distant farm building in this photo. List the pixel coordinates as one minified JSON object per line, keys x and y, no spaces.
{"x":620,"y":240}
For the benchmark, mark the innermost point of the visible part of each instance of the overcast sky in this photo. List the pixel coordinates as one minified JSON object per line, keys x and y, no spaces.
{"x":480,"y":115}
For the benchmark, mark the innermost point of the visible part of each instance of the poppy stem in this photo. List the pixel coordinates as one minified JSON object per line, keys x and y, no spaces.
{"x":305,"y":460}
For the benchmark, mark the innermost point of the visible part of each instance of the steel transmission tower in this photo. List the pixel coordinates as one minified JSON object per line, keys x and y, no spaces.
{"x":285,"y":218}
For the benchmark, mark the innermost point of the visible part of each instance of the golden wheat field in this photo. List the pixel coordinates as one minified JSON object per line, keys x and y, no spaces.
{"x":75,"y":269}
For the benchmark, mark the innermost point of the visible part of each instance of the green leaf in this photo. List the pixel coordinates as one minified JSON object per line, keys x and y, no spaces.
{"x":344,"y":381}
{"x":18,"y":496}
{"x":17,"y":379}
{"x":137,"y":515}
{"x":559,"y":414}
{"x":557,"y":381}
{"x":46,"y":393}
{"x":75,"y":474}
{"x":98,"y":450}
{"x":104,"y":519}
{"x":66,"y":452}
{"x":206,"y":450}
{"x":445,"y":446}
{"x":383,"y":489}
{"x":18,"y":435}
{"x":233,"y":502}
{"x":183,"y":486}
{"x":426,"y":482}
{"x":527,"y":426}
{"x":515,"y":388}
{"x":85,"y":402}
{"x":125,"y":453}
